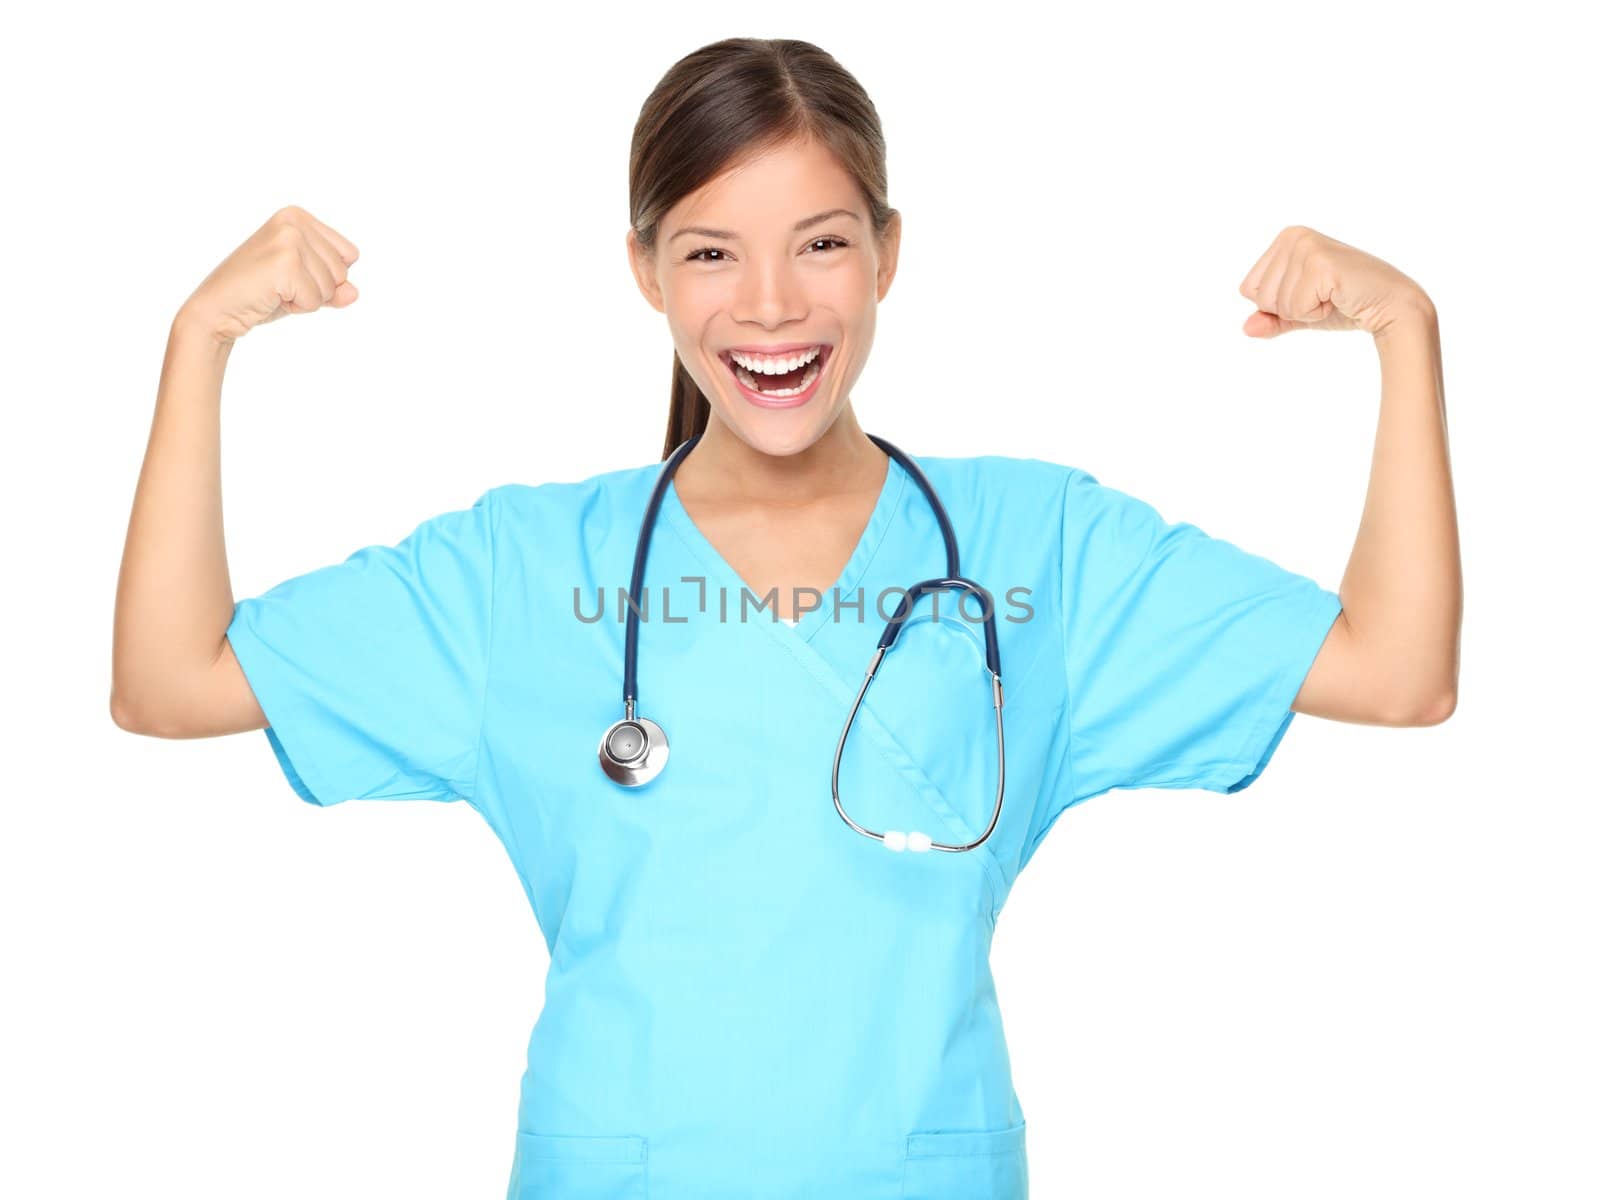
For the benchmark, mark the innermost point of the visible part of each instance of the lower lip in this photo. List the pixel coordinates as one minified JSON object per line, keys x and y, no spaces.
{"x":762,"y":400}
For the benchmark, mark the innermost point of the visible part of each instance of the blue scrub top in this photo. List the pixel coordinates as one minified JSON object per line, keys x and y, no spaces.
{"x":745,"y":996}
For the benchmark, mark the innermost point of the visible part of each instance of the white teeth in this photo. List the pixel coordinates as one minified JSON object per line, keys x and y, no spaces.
{"x":806,"y":381}
{"x":768,"y":365}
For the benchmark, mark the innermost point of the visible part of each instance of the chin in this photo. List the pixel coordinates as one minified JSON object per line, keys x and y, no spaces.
{"x":781,"y":437}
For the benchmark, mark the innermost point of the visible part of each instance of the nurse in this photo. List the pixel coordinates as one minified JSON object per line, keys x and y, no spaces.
{"x":746,"y":996}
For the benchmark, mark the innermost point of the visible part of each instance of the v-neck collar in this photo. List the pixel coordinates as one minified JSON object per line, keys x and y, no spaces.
{"x":839,"y":686}
{"x":723,"y":575}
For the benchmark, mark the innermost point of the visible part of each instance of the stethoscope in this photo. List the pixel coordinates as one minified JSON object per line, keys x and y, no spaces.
{"x":634,"y":749}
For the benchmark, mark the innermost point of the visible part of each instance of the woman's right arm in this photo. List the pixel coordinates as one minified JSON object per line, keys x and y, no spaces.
{"x":173,"y":673}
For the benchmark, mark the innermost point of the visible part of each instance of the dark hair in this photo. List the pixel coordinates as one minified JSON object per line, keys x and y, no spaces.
{"x":722,"y":102}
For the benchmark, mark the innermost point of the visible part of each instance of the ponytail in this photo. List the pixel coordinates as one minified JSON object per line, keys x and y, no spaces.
{"x":689,"y":409}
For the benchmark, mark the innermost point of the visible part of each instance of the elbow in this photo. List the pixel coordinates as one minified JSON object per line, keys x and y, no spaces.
{"x":1402,"y":689}
{"x":1405,"y":700}
{"x":123,"y":715}
{"x":1439,"y":709}
{"x":125,"y":691}
{"x":1435,"y":708}
{"x":135,"y":715}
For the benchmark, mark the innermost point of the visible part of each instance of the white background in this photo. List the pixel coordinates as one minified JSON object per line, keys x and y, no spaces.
{"x":1370,"y":974}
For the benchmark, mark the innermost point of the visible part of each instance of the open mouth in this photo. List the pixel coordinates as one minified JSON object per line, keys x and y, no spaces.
{"x":773,"y":379}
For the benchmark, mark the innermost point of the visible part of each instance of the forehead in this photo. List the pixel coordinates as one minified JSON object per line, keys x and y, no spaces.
{"x":768,"y":190}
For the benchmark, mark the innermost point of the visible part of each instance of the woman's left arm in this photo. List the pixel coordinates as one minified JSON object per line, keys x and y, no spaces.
{"x":1392,"y":656}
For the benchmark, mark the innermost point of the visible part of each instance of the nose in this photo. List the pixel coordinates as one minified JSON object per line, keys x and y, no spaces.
{"x":770,"y":294}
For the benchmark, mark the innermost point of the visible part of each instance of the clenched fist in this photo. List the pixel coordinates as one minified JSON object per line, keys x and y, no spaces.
{"x":1307,"y":280}
{"x":292,"y":264}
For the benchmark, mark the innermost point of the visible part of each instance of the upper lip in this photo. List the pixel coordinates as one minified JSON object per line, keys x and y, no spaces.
{"x":779,"y":348}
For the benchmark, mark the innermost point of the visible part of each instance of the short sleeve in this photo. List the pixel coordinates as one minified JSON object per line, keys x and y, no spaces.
{"x":1183,"y":651}
{"x":371,"y":672}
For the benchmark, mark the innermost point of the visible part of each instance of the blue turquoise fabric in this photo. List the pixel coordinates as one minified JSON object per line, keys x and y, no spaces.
{"x":745,"y":997}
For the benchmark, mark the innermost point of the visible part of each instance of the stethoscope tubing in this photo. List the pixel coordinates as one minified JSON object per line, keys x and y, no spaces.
{"x":634,"y":771}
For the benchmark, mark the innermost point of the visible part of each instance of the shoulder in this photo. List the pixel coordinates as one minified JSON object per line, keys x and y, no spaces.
{"x":569,"y":504}
{"x":1091,"y":518}
{"x":558,"y":530}
{"x":997,"y":483}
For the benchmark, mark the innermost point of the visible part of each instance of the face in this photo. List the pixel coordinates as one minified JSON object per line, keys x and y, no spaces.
{"x":775,"y":261}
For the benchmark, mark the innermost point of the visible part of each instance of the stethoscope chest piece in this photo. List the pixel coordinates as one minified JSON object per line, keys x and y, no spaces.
{"x":633,"y":751}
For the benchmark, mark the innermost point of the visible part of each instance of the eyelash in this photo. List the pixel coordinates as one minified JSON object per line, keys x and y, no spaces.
{"x":693,"y":256}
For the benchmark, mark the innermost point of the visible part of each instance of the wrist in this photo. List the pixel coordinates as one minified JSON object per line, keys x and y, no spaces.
{"x":192,"y":331}
{"x":1409,"y":316}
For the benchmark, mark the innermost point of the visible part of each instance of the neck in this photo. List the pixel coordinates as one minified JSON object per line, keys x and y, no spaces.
{"x":724,"y":466}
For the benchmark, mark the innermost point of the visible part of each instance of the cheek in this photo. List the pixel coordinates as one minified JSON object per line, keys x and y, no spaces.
{"x":850,"y":292}
{"x":690,"y":302}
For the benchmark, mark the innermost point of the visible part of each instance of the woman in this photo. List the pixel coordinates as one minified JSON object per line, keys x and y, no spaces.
{"x":747,"y":997}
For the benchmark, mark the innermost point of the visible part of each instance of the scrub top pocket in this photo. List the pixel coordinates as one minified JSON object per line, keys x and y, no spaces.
{"x":984,"y":1165}
{"x":559,"y":1167}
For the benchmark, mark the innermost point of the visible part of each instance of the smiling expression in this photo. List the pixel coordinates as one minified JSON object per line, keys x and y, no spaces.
{"x":770,"y":277}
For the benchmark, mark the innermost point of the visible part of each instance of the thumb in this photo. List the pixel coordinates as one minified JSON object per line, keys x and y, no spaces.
{"x":1264,"y":325}
{"x":1269,"y":325}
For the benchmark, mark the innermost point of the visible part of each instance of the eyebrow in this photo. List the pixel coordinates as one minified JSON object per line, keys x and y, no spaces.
{"x":799,"y":226}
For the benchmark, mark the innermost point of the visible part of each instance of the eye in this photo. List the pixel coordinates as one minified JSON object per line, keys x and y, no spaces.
{"x":699,"y":255}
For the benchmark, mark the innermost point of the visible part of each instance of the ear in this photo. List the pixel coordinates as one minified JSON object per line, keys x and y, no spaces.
{"x":888,"y":255}
{"x":644,"y":271}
